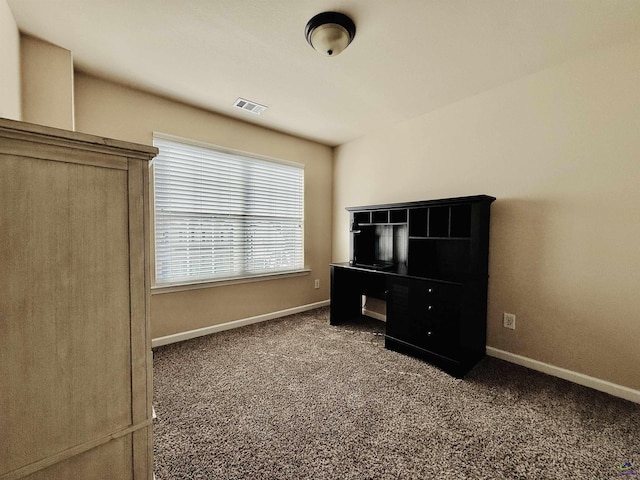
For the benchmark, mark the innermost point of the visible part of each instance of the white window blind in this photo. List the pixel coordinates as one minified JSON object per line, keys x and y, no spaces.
{"x":221,"y":214}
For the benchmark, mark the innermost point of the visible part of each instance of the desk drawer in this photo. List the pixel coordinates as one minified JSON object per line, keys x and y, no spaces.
{"x":434,"y":316}
{"x":434,"y":299}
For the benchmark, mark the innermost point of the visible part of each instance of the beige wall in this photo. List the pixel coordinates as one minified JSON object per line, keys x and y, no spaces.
{"x":561,"y":151}
{"x":108,"y":109}
{"x":47,"y":83}
{"x":9,"y":65}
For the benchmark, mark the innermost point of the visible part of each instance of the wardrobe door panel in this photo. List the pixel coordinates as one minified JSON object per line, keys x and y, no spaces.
{"x":110,"y":461}
{"x":66,"y":311}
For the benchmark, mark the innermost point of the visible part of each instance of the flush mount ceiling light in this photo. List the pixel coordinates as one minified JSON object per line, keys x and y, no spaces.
{"x":329,"y":33}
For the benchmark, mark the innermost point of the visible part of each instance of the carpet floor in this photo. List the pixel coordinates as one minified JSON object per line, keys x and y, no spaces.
{"x":297,"y":398}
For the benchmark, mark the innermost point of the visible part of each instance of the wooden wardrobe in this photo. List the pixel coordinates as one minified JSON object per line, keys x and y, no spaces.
{"x":75,"y":349}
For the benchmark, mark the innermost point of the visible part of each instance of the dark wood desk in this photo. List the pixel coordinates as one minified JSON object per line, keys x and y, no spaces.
{"x":429,"y":262}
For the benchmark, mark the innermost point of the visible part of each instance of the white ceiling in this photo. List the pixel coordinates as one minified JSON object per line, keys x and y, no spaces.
{"x":408,"y":57}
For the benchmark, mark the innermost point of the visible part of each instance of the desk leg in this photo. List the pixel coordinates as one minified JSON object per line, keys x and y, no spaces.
{"x":346,"y":302}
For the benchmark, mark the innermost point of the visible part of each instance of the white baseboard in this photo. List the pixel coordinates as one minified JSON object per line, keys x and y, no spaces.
{"x":376,"y":315}
{"x":575,"y":377}
{"x":179,"y":337}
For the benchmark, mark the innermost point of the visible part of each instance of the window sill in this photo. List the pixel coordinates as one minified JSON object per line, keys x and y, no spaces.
{"x":180,"y":287}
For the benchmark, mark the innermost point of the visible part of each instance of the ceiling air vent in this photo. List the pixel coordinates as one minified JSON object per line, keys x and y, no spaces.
{"x":249,"y":106}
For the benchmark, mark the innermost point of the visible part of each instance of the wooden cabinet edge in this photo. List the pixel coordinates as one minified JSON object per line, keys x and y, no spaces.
{"x":20,"y":140}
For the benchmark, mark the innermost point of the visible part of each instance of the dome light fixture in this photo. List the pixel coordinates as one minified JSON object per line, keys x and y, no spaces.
{"x":329,"y":33}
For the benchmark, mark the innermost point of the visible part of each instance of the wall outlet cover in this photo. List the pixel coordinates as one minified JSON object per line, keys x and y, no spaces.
{"x":509,"y":320}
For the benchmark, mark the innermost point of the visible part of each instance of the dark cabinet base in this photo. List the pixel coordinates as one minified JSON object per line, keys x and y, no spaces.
{"x":440,"y":322}
{"x":457,"y":367}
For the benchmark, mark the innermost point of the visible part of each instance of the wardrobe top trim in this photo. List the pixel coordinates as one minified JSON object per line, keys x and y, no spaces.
{"x":81,"y":141}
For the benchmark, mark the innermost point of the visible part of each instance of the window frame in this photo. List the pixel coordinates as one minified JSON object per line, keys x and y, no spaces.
{"x":189,"y":284}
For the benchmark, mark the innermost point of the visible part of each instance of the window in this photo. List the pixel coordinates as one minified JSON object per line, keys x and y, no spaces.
{"x":221,"y":214}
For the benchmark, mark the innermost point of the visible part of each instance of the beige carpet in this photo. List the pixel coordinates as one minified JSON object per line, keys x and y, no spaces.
{"x":296,"y":398}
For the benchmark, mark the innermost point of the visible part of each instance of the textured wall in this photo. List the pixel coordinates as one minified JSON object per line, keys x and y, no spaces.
{"x":47,"y":83}
{"x":9,"y":65}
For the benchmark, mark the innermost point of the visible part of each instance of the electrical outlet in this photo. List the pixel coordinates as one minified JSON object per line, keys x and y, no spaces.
{"x":509,"y":320}
{"x":316,"y":284}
